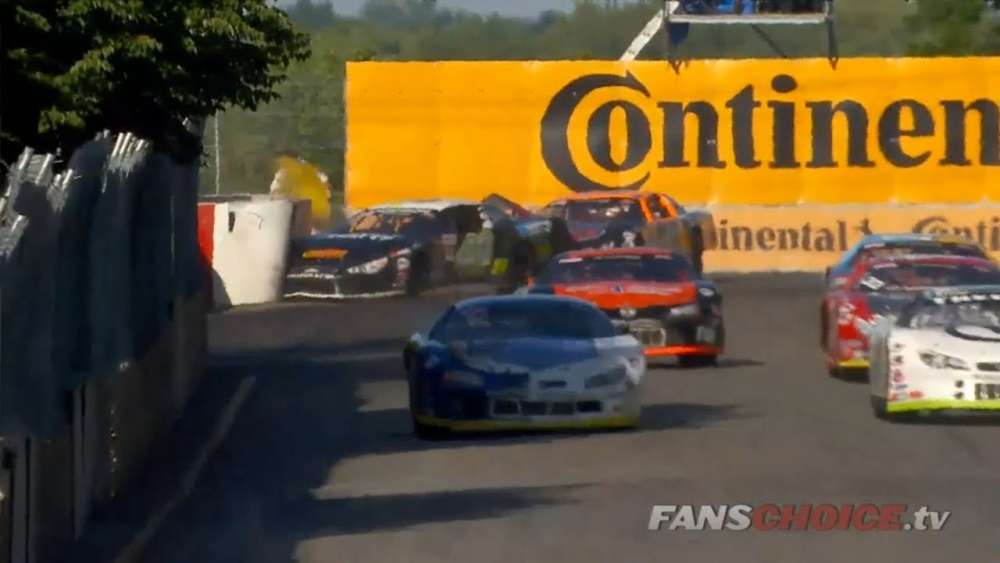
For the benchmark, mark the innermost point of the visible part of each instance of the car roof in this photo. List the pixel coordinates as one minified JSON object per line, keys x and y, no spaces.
{"x":936,"y":294}
{"x":422,"y":205}
{"x":929,"y":259}
{"x":604,"y":194}
{"x":963,"y":290}
{"x":597,"y":252}
{"x":538,"y":299}
{"x":875,"y":240}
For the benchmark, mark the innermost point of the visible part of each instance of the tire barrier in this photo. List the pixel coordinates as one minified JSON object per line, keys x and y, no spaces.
{"x":103,"y":336}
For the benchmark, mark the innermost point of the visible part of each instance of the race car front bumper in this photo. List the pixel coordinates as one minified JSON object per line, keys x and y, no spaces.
{"x":682,"y":350}
{"x":945,"y":407}
{"x":316,"y":283}
{"x":944,"y":392}
{"x":498,"y":425}
{"x":853,"y":363}
{"x":692,"y":336}
{"x":475,"y":411}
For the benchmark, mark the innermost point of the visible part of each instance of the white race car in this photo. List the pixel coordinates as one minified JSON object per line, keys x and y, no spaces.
{"x":940,"y":354}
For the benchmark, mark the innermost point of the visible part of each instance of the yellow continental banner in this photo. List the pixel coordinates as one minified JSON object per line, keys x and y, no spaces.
{"x":812,"y":237}
{"x":718,"y":132}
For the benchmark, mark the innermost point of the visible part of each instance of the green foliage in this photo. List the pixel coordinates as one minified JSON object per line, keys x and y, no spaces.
{"x":310,"y":16}
{"x":308,"y":120}
{"x":953,"y":27}
{"x":80,"y":66}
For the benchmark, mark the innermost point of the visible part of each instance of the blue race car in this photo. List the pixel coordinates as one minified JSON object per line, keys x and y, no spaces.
{"x":523,"y":362}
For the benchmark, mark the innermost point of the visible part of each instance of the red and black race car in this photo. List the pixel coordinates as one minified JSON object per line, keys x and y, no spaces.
{"x":654,"y":294}
{"x":881,"y":288}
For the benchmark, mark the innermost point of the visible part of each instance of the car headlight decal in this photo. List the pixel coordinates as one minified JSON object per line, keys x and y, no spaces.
{"x":606,"y":379}
{"x":937,"y":360}
{"x":688,"y":310}
{"x":372,"y":267}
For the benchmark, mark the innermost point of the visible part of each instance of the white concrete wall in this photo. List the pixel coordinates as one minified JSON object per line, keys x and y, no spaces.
{"x":250,"y":250}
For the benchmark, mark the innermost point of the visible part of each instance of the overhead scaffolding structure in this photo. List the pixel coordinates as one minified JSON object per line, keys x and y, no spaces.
{"x":676,"y":15}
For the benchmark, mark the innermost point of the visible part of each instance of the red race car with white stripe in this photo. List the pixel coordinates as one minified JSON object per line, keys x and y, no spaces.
{"x":881,"y":288}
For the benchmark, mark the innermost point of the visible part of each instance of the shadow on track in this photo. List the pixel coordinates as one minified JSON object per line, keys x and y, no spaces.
{"x":253,"y":500}
{"x":359,"y":515}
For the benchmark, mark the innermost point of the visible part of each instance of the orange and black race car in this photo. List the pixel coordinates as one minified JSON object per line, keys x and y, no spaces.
{"x":653,"y":294}
{"x":624,"y":218}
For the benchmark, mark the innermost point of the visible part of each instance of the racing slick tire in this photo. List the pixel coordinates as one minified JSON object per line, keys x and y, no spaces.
{"x":419,"y":277}
{"x":420,"y":430}
{"x":879,"y":408}
{"x":697,"y":361}
{"x":522,"y":266}
{"x":697,"y":252}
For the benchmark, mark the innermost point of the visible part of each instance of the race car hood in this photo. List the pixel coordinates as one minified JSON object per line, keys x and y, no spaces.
{"x":346,"y":249}
{"x":615,"y":294}
{"x":969,"y":342}
{"x":533,"y":357}
{"x":526,"y":353}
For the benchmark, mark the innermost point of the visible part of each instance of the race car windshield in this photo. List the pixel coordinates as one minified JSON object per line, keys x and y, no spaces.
{"x":604,"y":210}
{"x":618,"y":268}
{"x":375,"y":222}
{"x":522,"y":320}
{"x":955,"y":314}
{"x":876,"y":252}
{"x":903,"y":277}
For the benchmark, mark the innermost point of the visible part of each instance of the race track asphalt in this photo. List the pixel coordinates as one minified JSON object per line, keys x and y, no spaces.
{"x":320,"y":464}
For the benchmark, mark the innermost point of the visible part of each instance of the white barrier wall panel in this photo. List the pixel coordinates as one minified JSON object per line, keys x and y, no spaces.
{"x":250,"y":247}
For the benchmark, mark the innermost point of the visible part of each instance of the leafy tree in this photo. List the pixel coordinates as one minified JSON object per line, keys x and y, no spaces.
{"x":76,"y":67}
{"x":952,"y":27}
{"x":402,"y":13}
{"x":308,"y":120}
{"x":312,"y":16}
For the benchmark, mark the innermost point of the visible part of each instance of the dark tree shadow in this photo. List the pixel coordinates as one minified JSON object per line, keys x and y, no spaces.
{"x":253,"y":499}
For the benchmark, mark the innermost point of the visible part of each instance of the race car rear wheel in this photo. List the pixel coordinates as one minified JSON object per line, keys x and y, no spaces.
{"x":697,"y":252}
{"x":879,"y":407}
{"x":697,"y":361}
{"x":421,"y":430}
{"x":419,"y":276}
{"x":522,"y":266}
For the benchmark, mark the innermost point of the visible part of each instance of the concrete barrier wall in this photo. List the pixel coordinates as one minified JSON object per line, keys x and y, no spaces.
{"x":811,"y":237}
{"x":103,"y":341}
{"x":244,"y":239}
